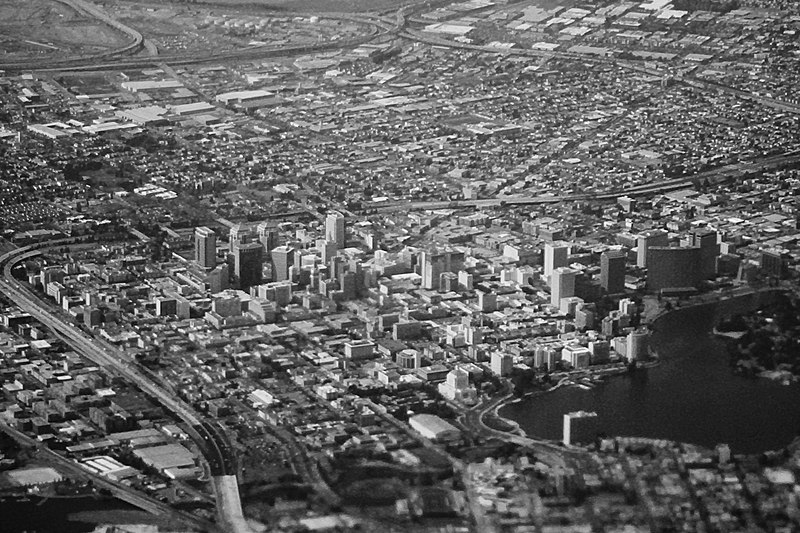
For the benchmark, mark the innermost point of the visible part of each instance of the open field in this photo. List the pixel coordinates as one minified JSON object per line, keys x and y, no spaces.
{"x":46,"y":29}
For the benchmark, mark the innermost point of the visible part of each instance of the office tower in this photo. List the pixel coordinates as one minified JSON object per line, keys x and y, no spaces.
{"x":327,"y":250}
{"x":434,"y":263}
{"x":166,"y":306}
{"x":576,"y":356}
{"x":502,"y":364}
{"x":348,"y":285}
{"x":487,"y":301}
{"x":706,"y":240}
{"x":465,"y":280}
{"x":637,"y":345}
{"x":555,"y":256}
{"x":612,"y":271}
{"x":267,"y":235}
{"x":218,"y":279}
{"x":448,"y":282}
{"x":647,"y":240}
{"x":205,"y":247}
{"x":673,"y":268}
{"x":238,"y":234}
{"x":585,"y":315}
{"x":774,"y":262}
{"x":281,"y":263}
{"x":562,"y":285}
{"x":456,"y":387}
{"x":248,"y":260}
{"x":334,"y":229}
{"x":580,"y":426}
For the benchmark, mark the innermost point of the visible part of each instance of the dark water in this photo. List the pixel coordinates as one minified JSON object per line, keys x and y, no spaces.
{"x":692,"y":396}
{"x":53,"y":515}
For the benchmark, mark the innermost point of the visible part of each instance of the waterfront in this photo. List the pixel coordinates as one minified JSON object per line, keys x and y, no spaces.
{"x":66,"y":515}
{"x":692,"y":396}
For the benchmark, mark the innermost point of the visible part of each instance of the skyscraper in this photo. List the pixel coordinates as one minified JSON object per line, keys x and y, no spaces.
{"x":562,"y":284}
{"x":706,"y":240}
{"x":673,"y":267}
{"x":647,"y":240}
{"x":580,"y":426}
{"x":612,"y":271}
{"x":248,"y":260}
{"x":281,"y":262}
{"x":238,"y":234}
{"x":267,"y":235}
{"x":205,"y":247}
{"x":334,"y":229}
{"x":555,"y":256}
{"x":434,"y":263}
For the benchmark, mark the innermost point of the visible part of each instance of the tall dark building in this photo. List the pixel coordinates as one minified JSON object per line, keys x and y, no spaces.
{"x":774,"y":263}
{"x":673,"y":267}
{"x":612,"y":271}
{"x":205,"y":247}
{"x":706,"y":240}
{"x":248,"y":260}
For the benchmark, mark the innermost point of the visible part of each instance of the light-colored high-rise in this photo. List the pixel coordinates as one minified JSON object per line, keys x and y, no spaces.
{"x":555,"y":256}
{"x":334,"y":229}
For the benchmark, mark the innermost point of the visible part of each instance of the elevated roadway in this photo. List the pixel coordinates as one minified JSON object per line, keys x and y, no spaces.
{"x":118,"y":490}
{"x":209,"y":437}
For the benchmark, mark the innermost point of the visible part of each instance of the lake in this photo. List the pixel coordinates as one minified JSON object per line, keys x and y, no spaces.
{"x":691,"y":396}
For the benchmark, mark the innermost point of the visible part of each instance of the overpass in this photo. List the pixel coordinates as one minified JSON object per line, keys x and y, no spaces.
{"x":209,"y":437}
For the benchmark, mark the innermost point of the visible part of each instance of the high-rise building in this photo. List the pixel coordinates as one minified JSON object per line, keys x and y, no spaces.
{"x":218,"y":279}
{"x":647,"y":240}
{"x":612,"y":271}
{"x":434,"y":263}
{"x":774,"y":262}
{"x":282,"y":263}
{"x":637,"y":345}
{"x":248,"y":260}
{"x":205,"y":247}
{"x":672,"y":267}
{"x":166,"y":306}
{"x":327,"y":250}
{"x":502,"y":364}
{"x":487,"y":301}
{"x":562,"y":285}
{"x":580,"y":426}
{"x":334,"y":229}
{"x":238,"y":234}
{"x":555,"y":256}
{"x":706,"y":240}
{"x":268,"y":235}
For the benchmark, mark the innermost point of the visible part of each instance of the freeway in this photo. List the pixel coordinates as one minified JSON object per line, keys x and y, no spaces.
{"x":378,"y":26}
{"x":210,"y":438}
{"x":118,"y":490}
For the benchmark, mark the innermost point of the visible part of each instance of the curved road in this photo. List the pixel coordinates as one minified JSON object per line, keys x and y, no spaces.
{"x":213,"y":445}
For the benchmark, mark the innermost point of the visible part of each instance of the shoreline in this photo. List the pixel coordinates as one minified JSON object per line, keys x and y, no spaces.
{"x":651,"y":322}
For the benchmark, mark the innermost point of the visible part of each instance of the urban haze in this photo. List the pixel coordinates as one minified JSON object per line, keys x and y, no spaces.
{"x":512,"y":266}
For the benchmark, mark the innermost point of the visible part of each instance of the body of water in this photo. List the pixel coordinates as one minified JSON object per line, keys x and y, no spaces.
{"x":54,"y":515}
{"x":692,"y":396}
